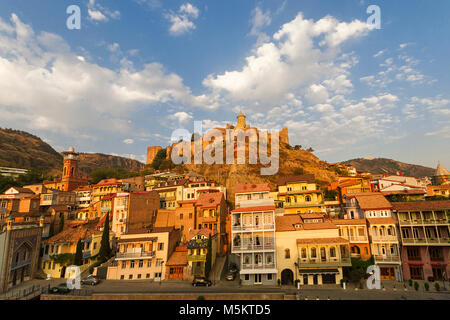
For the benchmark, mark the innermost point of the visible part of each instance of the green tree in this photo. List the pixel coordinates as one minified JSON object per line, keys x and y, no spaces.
{"x":105,"y":248}
{"x":61,"y":223}
{"x":208,"y":257}
{"x":78,"y":259}
{"x":297,"y":147}
{"x":330,"y":195}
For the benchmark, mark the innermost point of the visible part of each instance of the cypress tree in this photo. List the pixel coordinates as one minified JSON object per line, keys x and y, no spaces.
{"x":208,"y":257}
{"x":105,"y":249}
{"x":61,"y":223}
{"x":78,"y":259}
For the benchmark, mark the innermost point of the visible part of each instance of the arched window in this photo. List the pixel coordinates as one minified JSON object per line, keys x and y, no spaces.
{"x":304,"y":253}
{"x":308,"y":199}
{"x":287,"y":253}
{"x":313,"y":253}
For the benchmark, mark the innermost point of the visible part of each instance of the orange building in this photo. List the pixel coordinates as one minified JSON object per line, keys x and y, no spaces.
{"x":355,"y":230}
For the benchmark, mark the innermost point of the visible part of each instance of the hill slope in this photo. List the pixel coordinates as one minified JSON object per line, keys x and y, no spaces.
{"x":23,"y":150}
{"x":389,"y":166}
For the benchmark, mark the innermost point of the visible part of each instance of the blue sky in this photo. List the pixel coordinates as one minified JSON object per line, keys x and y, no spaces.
{"x":139,"y":69}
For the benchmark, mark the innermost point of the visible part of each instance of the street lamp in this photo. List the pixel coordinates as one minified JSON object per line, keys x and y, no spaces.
{"x":160,"y":276}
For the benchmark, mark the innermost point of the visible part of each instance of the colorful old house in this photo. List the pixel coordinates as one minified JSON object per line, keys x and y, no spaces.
{"x":105,"y":187}
{"x":425,"y":238}
{"x":197,"y":247}
{"x":60,"y":250}
{"x":143,"y":254}
{"x":355,"y":231}
{"x":170,"y":192}
{"x":177,"y":265}
{"x":310,"y":250}
{"x":300,"y":194}
{"x":439,"y":191}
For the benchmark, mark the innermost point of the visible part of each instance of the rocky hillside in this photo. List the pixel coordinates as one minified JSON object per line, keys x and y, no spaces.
{"x":23,"y":150}
{"x":389,"y":166}
{"x":291,"y":162}
{"x":92,"y":161}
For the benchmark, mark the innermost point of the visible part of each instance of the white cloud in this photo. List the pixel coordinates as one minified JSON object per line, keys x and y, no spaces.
{"x":182,"y":21}
{"x":98,"y":13}
{"x":182,"y":117}
{"x":291,"y":63}
{"x":379,"y":53}
{"x":259,"y":21}
{"x":128,"y":141}
{"x":43,"y":84}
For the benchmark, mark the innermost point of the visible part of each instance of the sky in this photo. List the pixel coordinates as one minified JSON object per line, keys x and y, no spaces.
{"x":137,"y":70}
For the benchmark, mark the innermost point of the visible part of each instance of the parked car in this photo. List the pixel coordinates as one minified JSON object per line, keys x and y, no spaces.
{"x":61,"y":288}
{"x":91,"y":280}
{"x":230,"y":276}
{"x":201,"y":281}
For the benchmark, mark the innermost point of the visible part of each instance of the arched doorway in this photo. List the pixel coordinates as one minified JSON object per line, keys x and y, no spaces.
{"x":287,"y":277}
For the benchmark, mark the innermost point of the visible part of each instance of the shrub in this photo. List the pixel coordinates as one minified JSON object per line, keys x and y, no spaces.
{"x":437,"y":286}
{"x":410,"y":282}
{"x":427,"y":286}
{"x":416,"y":285}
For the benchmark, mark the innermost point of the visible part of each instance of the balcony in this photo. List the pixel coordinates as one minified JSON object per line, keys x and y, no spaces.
{"x":358,"y":238}
{"x":248,"y":227}
{"x":255,"y":266}
{"x":105,"y":209}
{"x":135,"y":255}
{"x":385,"y":238}
{"x":386,"y":259}
{"x":327,"y":262}
{"x":418,"y":222}
{"x":265,"y":245}
{"x":429,"y":241}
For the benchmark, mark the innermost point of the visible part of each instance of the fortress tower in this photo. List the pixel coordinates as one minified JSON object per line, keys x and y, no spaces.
{"x":151,"y":153}
{"x":70,"y":178}
{"x":241,"y":124}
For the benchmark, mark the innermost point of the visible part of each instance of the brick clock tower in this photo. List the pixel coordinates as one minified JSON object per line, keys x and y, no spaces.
{"x":71,"y":179}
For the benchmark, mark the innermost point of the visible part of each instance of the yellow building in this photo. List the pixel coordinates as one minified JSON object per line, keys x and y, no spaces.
{"x":60,"y":249}
{"x":198,"y":249}
{"x":170,"y":192}
{"x":436,"y":191}
{"x":310,"y":249}
{"x":104,"y":187}
{"x":300,"y":194}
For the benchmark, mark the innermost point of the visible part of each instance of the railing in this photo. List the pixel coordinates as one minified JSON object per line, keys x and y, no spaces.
{"x":196,"y":257}
{"x":105,"y":209}
{"x":384,"y":238}
{"x":31,"y":292}
{"x":253,"y":227}
{"x":327,"y":261}
{"x":425,"y":241}
{"x":258,"y":266}
{"x":358,"y":238}
{"x":438,"y":221}
{"x":136,"y":255}
{"x":381,"y":258}
{"x":254,"y":247}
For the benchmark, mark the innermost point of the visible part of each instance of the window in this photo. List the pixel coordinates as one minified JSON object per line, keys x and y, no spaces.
{"x":149,"y":263}
{"x":122,"y":277}
{"x":332,"y":252}
{"x":247,"y":277}
{"x":160,"y":246}
{"x":141,"y":263}
{"x":269,"y":276}
{"x":287,"y":253}
{"x":95,"y":245}
{"x":436,"y":254}
{"x":157,"y":274}
{"x":313,"y":253}
{"x":132,"y":264}
{"x":130,"y":276}
{"x":139,"y":276}
{"x":303,"y":253}
{"x":181,"y":216}
{"x":308,"y":199}
{"x":124,"y":264}
{"x":147,"y":275}
{"x":416,"y":272}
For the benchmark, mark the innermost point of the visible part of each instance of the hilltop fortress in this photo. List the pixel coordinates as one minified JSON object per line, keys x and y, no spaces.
{"x":208,"y":140}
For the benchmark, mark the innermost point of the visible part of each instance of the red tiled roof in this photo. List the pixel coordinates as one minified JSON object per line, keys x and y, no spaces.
{"x":177,"y":258}
{"x":73,"y":235}
{"x":372,"y":201}
{"x":256,"y":209}
{"x":209,"y":200}
{"x":108,"y":182}
{"x":246,"y":188}
{"x":387,"y":220}
{"x":204,"y":232}
{"x":153,"y":239}
{"x":289,"y":221}
{"x":421,"y":205}
{"x":310,"y":178}
{"x":109,"y":196}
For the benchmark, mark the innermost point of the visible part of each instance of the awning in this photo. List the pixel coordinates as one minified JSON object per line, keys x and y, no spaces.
{"x":318,"y":271}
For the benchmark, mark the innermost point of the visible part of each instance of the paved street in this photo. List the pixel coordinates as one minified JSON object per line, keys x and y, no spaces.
{"x":392,"y":291}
